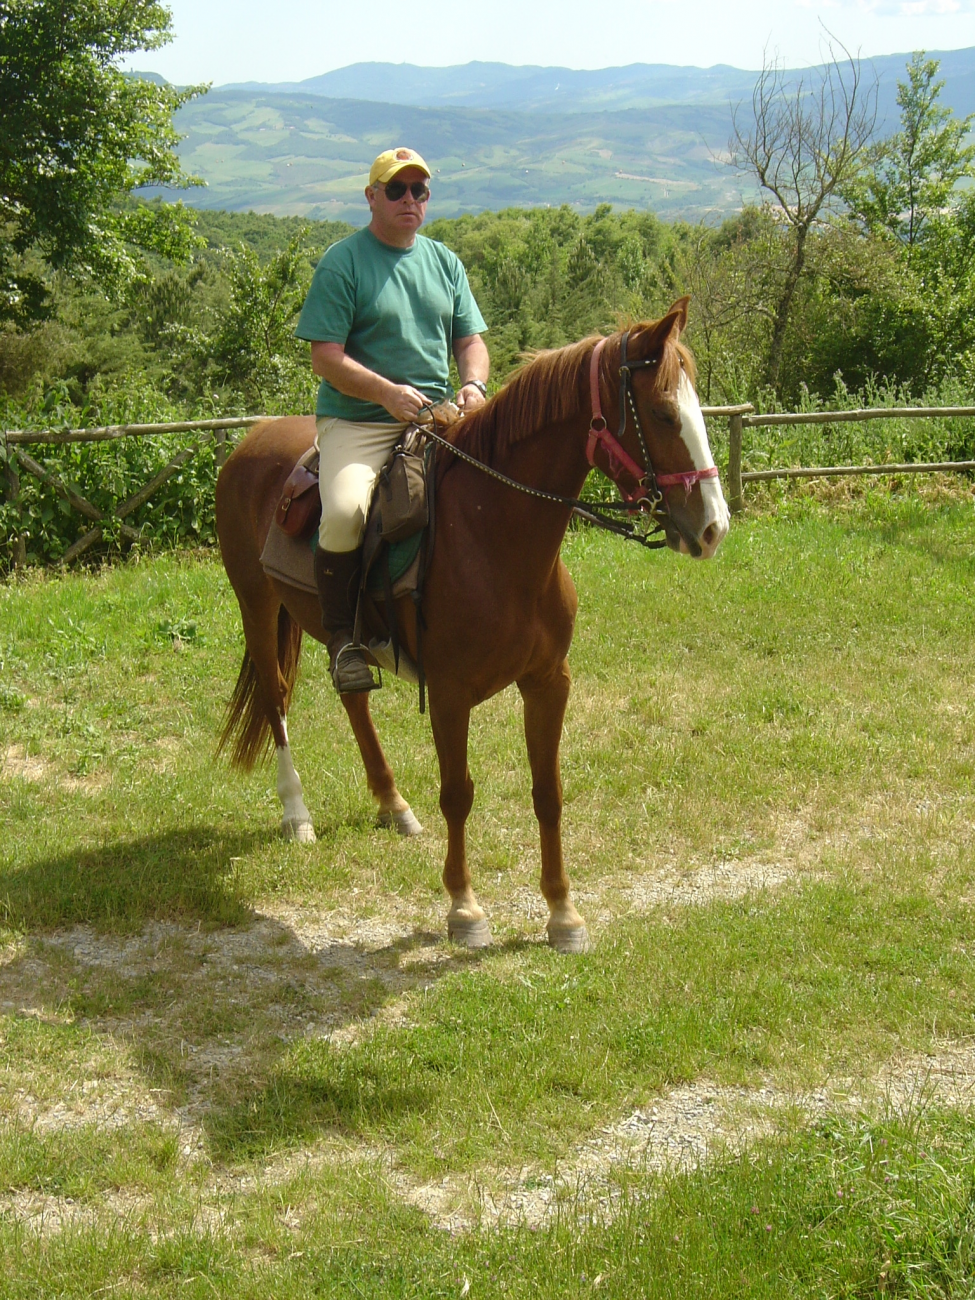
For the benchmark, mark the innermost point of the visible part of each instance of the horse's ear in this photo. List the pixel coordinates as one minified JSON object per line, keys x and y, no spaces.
{"x":657,"y":334}
{"x":680,"y":306}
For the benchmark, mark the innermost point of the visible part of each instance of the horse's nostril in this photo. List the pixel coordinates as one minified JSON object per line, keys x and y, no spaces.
{"x":710,"y":535}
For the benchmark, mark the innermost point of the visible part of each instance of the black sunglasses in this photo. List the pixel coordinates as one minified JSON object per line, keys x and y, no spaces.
{"x":396,"y":189}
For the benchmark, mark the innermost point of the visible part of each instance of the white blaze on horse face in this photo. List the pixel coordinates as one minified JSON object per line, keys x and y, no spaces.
{"x":695,"y":437}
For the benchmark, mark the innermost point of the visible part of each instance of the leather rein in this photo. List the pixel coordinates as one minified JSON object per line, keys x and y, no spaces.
{"x":647,"y":498}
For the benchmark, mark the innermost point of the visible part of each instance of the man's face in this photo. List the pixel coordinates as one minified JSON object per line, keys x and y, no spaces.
{"x":399,"y":220}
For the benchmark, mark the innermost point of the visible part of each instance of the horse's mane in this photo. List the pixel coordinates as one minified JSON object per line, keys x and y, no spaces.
{"x":543,"y":391}
{"x":551,"y":386}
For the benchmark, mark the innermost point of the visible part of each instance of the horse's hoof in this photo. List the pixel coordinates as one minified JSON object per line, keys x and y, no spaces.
{"x":404,"y":822}
{"x":569,"y":940}
{"x":469,"y":934}
{"x":303,"y":832}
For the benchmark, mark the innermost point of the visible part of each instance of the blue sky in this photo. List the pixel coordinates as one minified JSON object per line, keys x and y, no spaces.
{"x":287,"y":40}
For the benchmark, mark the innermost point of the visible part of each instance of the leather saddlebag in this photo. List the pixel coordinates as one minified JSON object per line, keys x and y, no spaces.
{"x":402,"y":495}
{"x":300,"y":507}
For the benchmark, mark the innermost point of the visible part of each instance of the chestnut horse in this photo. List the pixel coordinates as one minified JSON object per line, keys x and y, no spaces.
{"x":499,"y":605}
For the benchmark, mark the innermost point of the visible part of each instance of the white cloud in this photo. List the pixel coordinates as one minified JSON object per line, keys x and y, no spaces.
{"x":896,"y":8}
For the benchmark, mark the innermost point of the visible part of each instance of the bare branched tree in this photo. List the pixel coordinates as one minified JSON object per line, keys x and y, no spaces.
{"x":804,"y":140}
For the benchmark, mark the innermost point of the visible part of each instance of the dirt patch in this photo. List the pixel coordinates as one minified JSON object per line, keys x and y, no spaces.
{"x":677,"y":1131}
{"x":17,"y":764}
{"x":92,"y":1103}
{"x":203,"y":1014}
{"x":680,"y":1131}
{"x":329,"y":958}
{"x":705,"y":884}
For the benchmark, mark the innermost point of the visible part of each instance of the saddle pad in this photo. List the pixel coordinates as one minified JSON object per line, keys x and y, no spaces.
{"x":292,"y":560}
{"x":401,"y":556}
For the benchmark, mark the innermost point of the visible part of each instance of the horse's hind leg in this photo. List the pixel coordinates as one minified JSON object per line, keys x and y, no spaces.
{"x":272,"y":640}
{"x":544,"y":712}
{"x":393,"y":808}
{"x":296,"y":823}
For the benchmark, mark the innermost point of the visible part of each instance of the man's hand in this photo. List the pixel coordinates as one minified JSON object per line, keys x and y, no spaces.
{"x":404,"y":402}
{"x":470,"y":398}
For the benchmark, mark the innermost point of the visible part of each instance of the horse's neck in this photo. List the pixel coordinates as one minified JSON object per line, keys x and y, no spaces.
{"x":550,"y":460}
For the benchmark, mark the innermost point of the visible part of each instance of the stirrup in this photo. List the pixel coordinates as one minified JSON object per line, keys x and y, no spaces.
{"x":351,"y":674}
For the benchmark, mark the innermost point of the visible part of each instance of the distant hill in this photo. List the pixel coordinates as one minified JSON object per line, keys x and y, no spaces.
{"x":305,"y":155}
{"x":569,"y":90}
{"x":645,"y":136}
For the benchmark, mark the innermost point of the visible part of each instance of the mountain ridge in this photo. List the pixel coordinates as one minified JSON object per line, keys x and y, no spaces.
{"x":534,"y":88}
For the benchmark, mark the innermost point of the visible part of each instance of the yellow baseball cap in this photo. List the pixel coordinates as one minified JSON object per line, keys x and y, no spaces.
{"x":392,"y":161}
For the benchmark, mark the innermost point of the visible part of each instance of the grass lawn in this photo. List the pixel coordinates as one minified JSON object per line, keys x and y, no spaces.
{"x":232,"y":1065}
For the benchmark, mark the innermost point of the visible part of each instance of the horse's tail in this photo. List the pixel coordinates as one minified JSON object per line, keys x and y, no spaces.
{"x":247,"y":728}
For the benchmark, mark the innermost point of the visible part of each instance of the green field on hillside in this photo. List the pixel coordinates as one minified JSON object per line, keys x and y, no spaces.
{"x":308,"y":156}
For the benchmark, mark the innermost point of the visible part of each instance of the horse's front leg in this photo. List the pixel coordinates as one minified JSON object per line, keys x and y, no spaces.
{"x":450,"y":719}
{"x":545,"y":701}
{"x":393,"y":808}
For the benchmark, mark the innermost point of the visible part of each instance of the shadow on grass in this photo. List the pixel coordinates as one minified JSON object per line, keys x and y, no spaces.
{"x":186,"y":874}
{"x":261,"y":1034}
{"x":321,"y":1085}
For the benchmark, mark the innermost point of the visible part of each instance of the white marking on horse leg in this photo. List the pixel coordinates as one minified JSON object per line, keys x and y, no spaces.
{"x":395,"y":812}
{"x":296,"y":823}
{"x":466,"y":922}
{"x":404,"y":820}
{"x":566,"y":929}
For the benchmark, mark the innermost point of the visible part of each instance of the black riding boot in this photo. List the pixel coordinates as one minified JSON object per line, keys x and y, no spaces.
{"x":337,"y":578}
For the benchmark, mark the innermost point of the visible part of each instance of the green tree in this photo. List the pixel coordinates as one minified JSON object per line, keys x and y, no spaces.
{"x":249,"y":351}
{"x":912,"y":177}
{"x":78,"y":136}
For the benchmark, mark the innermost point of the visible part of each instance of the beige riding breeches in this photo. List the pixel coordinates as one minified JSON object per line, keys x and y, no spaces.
{"x":351,"y":456}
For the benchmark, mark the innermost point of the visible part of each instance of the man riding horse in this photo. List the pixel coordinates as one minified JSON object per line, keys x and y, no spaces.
{"x":384,"y":313}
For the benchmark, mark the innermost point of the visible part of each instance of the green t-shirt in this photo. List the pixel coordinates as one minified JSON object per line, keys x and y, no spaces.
{"x":396,"y":311}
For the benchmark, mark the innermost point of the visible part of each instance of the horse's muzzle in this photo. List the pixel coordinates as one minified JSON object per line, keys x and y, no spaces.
{"x":698,"y":540}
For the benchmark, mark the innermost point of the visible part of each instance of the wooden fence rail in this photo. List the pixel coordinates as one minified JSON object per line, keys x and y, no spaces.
{"x":109,"y":432}
{"x":739,"y":418}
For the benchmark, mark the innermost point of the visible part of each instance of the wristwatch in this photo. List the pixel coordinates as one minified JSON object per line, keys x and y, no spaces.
{"x":476,"y":383}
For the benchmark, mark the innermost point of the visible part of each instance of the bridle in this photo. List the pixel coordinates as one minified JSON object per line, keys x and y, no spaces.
{"x":650,"y":493}
{"x":648,"y":498}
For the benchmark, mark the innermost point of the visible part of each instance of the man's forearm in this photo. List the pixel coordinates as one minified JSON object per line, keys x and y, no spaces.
{"x":402,"y":401}
{"x":351,"y":378}
{"x":473,"y":361}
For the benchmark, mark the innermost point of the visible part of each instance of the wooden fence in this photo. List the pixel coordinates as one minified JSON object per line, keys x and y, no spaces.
{"x":16,"y":459}
{"x":739,"y":418}
{"x":744,"y":417}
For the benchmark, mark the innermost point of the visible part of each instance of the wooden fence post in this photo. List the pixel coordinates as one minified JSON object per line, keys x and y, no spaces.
{"x":736,"y":499}
{"x":220,"y":449}
{"x":13,"y":496}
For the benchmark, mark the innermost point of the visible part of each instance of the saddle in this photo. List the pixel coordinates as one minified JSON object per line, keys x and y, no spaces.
{"x":397,"y":544}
